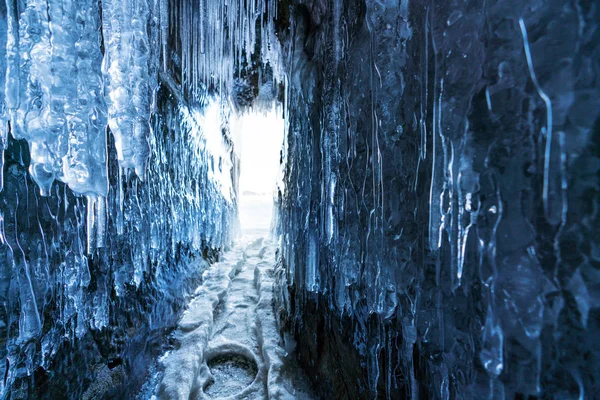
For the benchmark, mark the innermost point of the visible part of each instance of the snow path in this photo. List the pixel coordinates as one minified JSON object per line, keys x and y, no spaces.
{"x":227,"y":340}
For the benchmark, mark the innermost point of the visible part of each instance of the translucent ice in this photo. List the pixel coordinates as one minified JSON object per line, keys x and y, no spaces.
{"x":54,"y":92}
{"x":125,"y":67}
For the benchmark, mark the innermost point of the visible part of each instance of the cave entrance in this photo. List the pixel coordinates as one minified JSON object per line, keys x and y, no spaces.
{"x":261,"y":136}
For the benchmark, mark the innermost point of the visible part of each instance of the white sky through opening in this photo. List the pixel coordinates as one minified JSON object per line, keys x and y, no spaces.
{"x":261,"y":137}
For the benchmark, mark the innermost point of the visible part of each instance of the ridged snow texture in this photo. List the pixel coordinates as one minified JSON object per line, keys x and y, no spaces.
{"x":442,"y":179}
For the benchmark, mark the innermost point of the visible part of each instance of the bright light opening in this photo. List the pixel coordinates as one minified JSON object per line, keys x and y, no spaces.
{"x":261,"y":134}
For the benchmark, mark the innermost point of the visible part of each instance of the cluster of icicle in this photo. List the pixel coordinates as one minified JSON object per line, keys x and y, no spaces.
{"x":70,"y":70}
{"x":218,"y":36}
{"x":60,"y":92}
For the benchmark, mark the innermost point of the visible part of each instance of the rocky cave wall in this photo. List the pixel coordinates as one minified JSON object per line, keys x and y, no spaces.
{"x":439,"y":218}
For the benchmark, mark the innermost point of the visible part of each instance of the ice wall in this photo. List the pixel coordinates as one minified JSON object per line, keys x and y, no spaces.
{"x":70,"y":70}
{"x":73,"y":319}
{"x":439,"y":221}
{"x":119,"y":187}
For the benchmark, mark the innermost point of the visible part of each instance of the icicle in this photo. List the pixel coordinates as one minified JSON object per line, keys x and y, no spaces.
{"x":551,"y":189}
{"x":11,"y":91}
{"x":437,"y":178}
{"x":91,"y":223}
{"x":3,"y":139}
{"x":29,"y":320}
{"x":337,"y":12}
{"x":216,"y":38}
{"x":101,"y":218}
{"x":3,"y":116}
{"x":164,"y":32}
{"x":126,"y":71}
{"x":2,"y":233}
{"x":120,"y":199}
{"x":55,"y":99}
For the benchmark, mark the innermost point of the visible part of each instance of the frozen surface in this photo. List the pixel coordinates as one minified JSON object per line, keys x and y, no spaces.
{"x":227,"y":343}
{"x":256,"y":214}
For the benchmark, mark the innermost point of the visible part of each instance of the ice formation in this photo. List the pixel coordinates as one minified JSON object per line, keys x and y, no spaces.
{"x":137,"y":185}
{"x":61,"y":92}
{"x":438,"y":201}
{"x":437,"y":215}
{"x":127,"y":79}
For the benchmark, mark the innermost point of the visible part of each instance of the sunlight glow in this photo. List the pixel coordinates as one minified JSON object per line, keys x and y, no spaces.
{"x":261,"y":135}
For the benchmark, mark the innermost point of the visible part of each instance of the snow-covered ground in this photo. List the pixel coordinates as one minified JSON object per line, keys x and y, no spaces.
{"x":227,"y":345}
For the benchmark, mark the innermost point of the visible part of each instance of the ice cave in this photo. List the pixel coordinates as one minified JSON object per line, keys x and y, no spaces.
{"x":299,"y":199}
